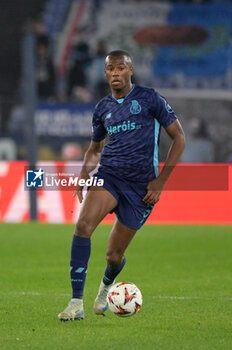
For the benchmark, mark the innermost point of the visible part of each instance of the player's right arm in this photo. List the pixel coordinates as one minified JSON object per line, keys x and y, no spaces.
{"x":93,"y":153}
{"x":91,"y":160}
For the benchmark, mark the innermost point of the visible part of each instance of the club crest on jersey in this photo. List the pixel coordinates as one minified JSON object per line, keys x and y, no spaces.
{"x":135,"y":107}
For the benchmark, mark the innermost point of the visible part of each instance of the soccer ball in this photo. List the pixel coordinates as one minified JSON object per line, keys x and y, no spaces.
{"x":124,"y":299}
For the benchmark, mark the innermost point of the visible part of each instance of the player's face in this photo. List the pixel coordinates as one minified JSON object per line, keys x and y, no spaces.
{"x":118,"y":71}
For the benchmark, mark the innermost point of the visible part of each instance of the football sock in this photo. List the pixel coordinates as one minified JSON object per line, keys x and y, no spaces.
{"x":112,"y":273}
{"x":80,"y":254}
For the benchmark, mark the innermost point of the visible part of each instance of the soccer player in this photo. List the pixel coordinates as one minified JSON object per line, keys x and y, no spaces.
{"x":132,"y":117}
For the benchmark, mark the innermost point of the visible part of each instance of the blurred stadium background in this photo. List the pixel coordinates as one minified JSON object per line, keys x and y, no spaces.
{"x":181,"y":48}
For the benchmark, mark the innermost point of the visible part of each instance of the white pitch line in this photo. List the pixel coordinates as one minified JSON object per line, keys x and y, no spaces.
{"x":169,"y":297}
{"x":28,"y":293}
{"x":188,"y":298}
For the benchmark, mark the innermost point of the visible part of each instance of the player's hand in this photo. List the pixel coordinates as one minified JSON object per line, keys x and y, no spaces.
{"x":154,"y":189}
{"x":79,"y":190}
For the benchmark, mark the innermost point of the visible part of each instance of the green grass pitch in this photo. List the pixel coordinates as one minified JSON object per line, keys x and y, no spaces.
{"x":184,"y":273}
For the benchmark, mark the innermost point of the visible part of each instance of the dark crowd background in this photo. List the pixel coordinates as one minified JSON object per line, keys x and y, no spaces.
{"x":75,"y":87}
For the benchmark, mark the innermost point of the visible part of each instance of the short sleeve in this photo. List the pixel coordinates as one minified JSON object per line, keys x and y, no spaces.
{"x":98,"y":129}
{"x":162,"y":111}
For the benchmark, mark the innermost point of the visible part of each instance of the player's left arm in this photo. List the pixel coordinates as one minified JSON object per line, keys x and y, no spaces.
{"x":155,"y":187}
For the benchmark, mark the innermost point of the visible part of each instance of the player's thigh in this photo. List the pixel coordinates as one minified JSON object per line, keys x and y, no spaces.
{"x":97,"y":204}
{"x":118,"y":241}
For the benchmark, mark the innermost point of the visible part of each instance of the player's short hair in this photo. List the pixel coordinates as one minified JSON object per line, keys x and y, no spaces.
{"x":117,"y":53}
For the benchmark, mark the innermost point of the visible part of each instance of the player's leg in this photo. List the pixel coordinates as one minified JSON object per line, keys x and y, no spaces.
{"x":118,"y":241}
{"x":98,"y":202}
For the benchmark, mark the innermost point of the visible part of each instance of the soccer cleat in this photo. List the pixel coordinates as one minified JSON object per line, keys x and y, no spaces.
{"x":74,"y":311}
{"x":100,"y":304}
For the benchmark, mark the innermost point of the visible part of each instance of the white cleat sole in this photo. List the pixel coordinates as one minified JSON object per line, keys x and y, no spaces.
{"x":63,"y":316}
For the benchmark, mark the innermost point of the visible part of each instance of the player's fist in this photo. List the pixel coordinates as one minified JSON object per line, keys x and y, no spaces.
{"x":154,"y":189}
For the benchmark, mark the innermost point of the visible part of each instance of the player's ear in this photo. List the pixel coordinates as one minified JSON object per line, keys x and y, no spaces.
{"x":131,"y":70}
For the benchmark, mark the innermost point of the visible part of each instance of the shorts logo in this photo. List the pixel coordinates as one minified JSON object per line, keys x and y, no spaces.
{"x":147,"y":213}
{"x":108,"y":116}
{"x":135,"y":107}
{"x":34,"y":178}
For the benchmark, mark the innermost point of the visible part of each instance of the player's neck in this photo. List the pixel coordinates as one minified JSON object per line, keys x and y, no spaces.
{"x":123,"y":92}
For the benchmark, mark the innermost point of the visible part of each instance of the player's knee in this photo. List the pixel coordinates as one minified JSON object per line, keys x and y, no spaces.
{"x":114,"y":259}
{"x":83,"y":228}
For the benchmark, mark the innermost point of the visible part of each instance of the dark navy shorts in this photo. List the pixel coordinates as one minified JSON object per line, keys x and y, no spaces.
{"x":131,"y":210}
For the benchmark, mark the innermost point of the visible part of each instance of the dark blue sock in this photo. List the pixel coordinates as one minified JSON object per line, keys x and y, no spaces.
{"x":111,"y":274}
{"x":80,"y":254}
